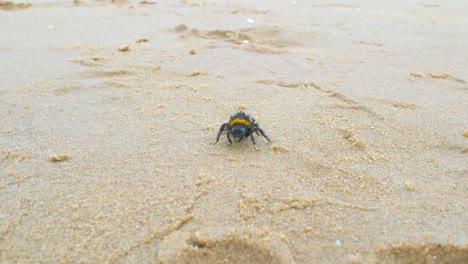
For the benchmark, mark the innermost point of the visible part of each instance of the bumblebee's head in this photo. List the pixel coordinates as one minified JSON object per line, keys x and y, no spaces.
{"x":238,"y":132}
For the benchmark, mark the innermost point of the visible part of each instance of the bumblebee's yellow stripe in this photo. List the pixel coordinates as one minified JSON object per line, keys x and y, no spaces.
{"x":240,"y":121}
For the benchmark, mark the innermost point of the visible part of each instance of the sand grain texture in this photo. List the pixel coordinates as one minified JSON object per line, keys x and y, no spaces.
{"x":366,"y":105}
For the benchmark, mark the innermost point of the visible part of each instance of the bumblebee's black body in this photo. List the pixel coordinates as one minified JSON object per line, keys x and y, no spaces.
{"x":241,"y":126}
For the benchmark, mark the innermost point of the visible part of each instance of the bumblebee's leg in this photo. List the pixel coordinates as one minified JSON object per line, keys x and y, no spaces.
{"x":221,"y":129}
{"x":229,"y":137}
{"x":253,"y":141}
{"x":263,"y":134}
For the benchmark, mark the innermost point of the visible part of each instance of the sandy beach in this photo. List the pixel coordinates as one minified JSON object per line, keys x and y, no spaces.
{"x":109,"y":111}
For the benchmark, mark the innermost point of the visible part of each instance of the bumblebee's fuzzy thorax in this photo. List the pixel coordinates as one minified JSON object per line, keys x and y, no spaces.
{"x":240,"y":119}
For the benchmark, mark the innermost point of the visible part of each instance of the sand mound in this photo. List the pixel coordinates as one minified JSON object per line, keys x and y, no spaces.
{"x":269,"y":40}
{"x":223,"y":245}
{"x":432,"y":253}
{"x":10,"y":6}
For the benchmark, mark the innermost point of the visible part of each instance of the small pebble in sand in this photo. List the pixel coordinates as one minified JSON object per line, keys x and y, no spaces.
{"x":279,"y":148}
{"x":358,"y":144}
{"x":409,"y":186}
{"x":347,"y":134}
{"x":156,"y":69}
{"x":193,"y":52}
{"x":180,"y":27}
{"x":250,"y":20}
{"x":147,"y":3}
{"x":97,"y":58}
{"x":197,"y":73}
{"x":142,"y":40}
{"x":56,"y":158}
{"x":124,"y":48}
{"x":465,"y":134}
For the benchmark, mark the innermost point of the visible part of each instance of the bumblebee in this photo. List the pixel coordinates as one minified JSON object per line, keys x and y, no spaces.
{"x":240,"y":126}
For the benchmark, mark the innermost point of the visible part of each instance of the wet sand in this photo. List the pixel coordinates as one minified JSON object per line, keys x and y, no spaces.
{"x":109,"y":112}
